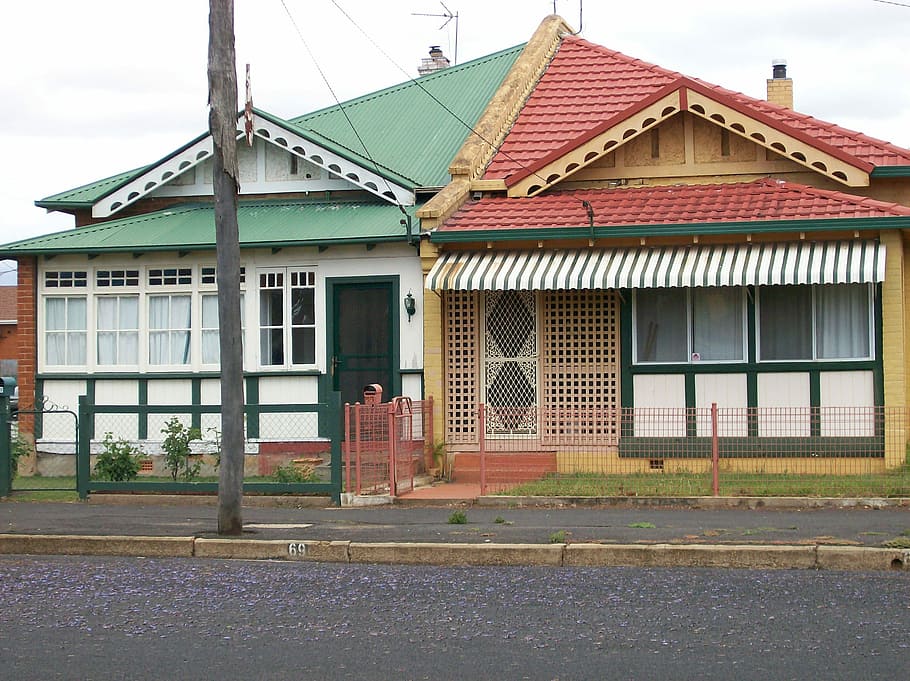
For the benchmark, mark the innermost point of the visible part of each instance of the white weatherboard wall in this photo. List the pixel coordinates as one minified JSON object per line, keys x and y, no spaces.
{"x":115,"y":392}
{"x":778,"y":394}
{"x":61,"y":427}
{"x":728,"y":391}
{"x":660,"y":404}
{"x":168,"y":392}
{"x":845,"y":391}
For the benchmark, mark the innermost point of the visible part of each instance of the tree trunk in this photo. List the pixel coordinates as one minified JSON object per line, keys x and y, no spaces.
{"x":222,"y":77}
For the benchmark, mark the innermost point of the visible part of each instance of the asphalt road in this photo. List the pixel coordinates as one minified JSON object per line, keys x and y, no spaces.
{"x":104,"y":618}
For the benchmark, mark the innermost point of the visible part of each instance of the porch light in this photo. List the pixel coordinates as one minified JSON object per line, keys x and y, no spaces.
{"x":410,"y":306}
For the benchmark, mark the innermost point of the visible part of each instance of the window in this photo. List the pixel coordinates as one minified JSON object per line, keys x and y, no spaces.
{"x":169,"y":329}
{"x":287,"y":317}
{"x":208,"y":275}
{"x":815,"y":322}
{"x":65,"y":331}
{"x":170,"y":276}
{"x":116,"y":278}
{"x":71,"y":279}
{"x":211,"y":344}
{"x":118,"y":330}
{"x":675,"y":325}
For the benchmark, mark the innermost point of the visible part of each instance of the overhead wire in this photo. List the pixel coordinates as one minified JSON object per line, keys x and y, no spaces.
{"x":344,"y":112}
{"x":427,"y":92}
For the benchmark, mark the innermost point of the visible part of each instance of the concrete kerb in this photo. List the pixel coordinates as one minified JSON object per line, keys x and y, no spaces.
{"x":554,"y":555}
{"x":769,"y":503}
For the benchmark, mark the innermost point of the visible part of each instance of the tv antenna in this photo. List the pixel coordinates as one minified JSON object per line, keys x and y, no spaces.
{"x":448,"y":16}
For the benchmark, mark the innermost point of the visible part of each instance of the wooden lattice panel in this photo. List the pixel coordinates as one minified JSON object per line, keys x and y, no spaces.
{"x":580,"y":361}
{"x":462,"y":374}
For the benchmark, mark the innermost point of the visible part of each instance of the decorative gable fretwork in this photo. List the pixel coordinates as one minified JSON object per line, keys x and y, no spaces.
{"x":788,"y":146}
{"x":596,"y":146}
{"x":689,"y":96}
{"x":181,"y":162}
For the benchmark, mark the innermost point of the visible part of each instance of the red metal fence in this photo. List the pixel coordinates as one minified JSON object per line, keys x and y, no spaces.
{"x":386,"y":445}
{"x":825,"y":451}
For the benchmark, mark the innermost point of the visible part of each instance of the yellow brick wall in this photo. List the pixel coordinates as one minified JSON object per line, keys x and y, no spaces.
{"x":894,"y":341}
{"x":433,"y":355}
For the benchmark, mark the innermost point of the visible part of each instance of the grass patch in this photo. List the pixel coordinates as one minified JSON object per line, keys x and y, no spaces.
{"x":897,"y":543}
{"x":558,"y":537}
{"x":44,"y":495}
{"x":643,"y":525}
{"x":890,"y":484}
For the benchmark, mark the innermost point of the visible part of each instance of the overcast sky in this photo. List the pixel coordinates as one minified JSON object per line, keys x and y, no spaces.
{"x":96,"y":87}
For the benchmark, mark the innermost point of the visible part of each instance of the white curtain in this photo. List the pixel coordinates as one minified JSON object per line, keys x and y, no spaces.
{"x":158,"y":324}
{"x":211,"y":350}
{"x":180,"y":321}
{"x":717,"y":333}
{"x":842,"y":321}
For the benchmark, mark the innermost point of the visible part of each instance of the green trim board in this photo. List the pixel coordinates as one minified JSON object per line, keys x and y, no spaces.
{"x":659,"y":230}
{"x":700,"y":448}
{"x":891,"y":171}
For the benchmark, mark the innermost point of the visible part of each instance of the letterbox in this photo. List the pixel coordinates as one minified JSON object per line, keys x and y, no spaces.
{"x":372,"y":394}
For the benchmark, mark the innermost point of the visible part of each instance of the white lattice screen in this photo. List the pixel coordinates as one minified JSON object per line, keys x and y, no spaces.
{"x":462,"y":374}
{"x":580,"y":362}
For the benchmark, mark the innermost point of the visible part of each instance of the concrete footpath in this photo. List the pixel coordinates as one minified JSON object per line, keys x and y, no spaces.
{"x":737,"y":533}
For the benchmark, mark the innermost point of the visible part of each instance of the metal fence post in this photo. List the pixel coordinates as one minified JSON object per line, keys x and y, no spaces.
{"x":715,"y":454}
{"x":483,"y":449}
{"x":335,"y":435}
{"x":6,"y":464}
{"x":84,"y":446}
{"x":393,"y":458}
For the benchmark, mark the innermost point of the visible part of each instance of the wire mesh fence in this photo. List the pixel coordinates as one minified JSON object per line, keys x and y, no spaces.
{"x":824,"y":451}
{"x":386,"y":445}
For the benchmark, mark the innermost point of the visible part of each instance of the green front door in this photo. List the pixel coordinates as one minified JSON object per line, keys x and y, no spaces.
{"x":363,"y":333}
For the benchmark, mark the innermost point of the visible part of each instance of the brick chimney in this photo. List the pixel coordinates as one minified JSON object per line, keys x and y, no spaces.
{"x":780,"y":88}
{"x":437,"y":61}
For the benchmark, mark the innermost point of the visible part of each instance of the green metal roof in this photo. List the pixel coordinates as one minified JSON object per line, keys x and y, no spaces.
{"x":411,"y":137}
{"x":406,"y":129}
{"x":86,"y":195}
{"x":263,"y":224}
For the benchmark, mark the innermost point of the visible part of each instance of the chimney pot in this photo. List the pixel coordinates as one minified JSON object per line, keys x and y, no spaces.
{"x":780,"y":68}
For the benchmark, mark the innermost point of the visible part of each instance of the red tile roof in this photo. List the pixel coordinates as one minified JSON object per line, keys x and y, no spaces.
{"x":758,"y":201}
{"x":587,"y":84}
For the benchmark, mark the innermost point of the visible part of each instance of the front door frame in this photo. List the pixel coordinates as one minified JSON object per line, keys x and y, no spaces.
{"x":394,"y":332}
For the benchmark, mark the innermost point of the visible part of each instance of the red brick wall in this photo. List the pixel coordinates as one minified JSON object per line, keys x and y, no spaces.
{"x":26,"y":310}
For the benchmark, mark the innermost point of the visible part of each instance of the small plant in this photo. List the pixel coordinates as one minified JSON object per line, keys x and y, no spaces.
{"x":499,"y":520}
{"x":18,"y":448}
{"x":118,"y":460}
{"x":291,"y":472}
{"x":558,"y":537}
{"x":176,"y":446}
{"x":643,"y":525}
{"x":216,"y":438}
{"x":458,"y":518}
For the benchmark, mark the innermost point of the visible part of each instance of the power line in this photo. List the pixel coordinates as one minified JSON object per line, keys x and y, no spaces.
{"x":890,"y":2}
{"x":343,"y":111}
{"x":428,"y":93}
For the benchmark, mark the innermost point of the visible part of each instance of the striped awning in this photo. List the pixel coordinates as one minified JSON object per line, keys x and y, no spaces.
{"x":828,"y":262}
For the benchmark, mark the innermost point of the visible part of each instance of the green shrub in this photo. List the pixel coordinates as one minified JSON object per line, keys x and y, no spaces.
{"x":558,"y":537}
{"x":19,"y":447}
{"x":176,"y":446}
{"x":291,"y":472}
{"x":458,"y":518}
{"x":118,"y":460}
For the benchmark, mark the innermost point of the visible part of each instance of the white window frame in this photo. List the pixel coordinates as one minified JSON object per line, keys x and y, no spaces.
{"x":118,"y":331}
{"x":169,"y":332}
{"x":287,"y":325}
{"x":66,"y":332}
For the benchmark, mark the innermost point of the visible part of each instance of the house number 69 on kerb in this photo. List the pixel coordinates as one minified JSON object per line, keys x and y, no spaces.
{"x":297,"y":549}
